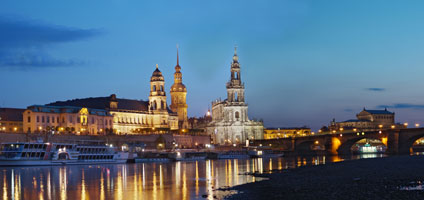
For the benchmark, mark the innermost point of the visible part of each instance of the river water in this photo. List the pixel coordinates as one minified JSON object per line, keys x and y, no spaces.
{"x":149,"y":181}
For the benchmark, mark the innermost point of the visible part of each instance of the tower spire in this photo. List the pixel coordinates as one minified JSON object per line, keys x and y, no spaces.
{"x":235,"y":57}
{"x":157,"y":66}
{"x":178,"y":58}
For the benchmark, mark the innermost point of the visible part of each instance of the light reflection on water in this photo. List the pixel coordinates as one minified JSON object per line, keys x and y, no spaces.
{"x":175,"y":180}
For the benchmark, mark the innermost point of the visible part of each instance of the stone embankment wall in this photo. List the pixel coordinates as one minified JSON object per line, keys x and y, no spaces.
{"x":187,"y":141}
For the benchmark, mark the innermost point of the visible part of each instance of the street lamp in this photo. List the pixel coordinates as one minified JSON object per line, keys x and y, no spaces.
{"x":417,"y":125}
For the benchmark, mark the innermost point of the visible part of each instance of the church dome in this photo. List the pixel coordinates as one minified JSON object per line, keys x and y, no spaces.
{"x":157,"y":75}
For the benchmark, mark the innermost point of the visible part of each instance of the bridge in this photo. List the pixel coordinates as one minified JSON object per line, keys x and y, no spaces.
{"x":397,"y":141}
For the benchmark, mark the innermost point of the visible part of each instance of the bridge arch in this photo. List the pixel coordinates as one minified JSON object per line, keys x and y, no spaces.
{"x":346,"y":145}
{"x":405,"y":147}
{"x":310,"y":146}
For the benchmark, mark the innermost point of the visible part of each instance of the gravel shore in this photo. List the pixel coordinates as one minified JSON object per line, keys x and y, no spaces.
{"x":379,"y":178}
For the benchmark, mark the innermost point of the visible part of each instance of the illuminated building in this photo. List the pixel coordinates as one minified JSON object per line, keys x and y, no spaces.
{"x":275,"y":133}
{"x":367,"y":120}
{"x":135,"y":116}
{"x":230,"y":123}
{"x":11,"y":120}
{"x":178,"y":97}
{"x":66,"y":119}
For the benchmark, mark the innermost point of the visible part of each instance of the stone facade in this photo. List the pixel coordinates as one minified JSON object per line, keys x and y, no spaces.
{"x":276,"y":133}
{"x":230,"y":123}
{"x":66,"y":119}
{"x":11,"y":120}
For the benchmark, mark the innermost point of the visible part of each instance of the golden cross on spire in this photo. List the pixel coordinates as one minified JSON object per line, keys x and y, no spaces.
{"x":157,"y":66}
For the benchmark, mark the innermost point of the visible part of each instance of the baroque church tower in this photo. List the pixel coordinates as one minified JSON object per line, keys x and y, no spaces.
{"x":157,"y":97}
{"x":235,"y":91}
{"x":230,"y":124}
{"x":178,"y":97}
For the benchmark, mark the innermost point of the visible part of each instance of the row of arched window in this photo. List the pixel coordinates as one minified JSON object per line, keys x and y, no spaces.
{"x":154,"y":105}
{"x":132,"y":120}
{"x":155,"y":88}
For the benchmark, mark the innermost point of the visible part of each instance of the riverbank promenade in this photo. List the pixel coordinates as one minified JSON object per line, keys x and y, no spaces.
{"x":396,"y":177}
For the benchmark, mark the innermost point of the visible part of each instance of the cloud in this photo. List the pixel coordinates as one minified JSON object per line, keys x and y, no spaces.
{"x":376,"y":89}
{"x":24,"y":43}
{"x":403,"y":106}
{"x":28,"y":59}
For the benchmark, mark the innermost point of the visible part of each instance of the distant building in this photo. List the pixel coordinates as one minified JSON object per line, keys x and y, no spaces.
{"x":67,"y":119}
{"x":367,"y":120}
{"x":275,"y":133}
{"x":135,"y":116}
{"x":230,"y":123}
{"x":11,"y":120}
{"x":198,"y":125}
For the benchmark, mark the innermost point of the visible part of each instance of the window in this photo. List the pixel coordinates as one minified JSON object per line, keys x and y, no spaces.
{"x":52,"y":119}
{"x":161,"y":88}
{"x":63,"y":119}
{"x":29,"y":119}
{"x":57,"y":120}
{"x":38,"y":118}
{"x":92,"y":120}
{"x":237,"y":115}
{"x":42,"y":119}
{"x":48,"y":119}
{"x":154,"y":88}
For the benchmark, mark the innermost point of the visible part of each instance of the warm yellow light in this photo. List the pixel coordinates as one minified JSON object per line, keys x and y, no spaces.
{"x":153,"y":128}
{"x":313,"y":133}
{"x":334,"y":131}
{"x":354,"y":130}
{"x":15,"y":129}
{"x":341,"y":129}
{"x":320,"y":131}
{"x":417,"y":125}
{"x":341,"y":135}
{"x":316,"y":142}
{"x":40,"y":128}
{"x":380,"y":126}
{"x":405,"y":124}
{"x":393,"y":126}
{"x":101,"y":130}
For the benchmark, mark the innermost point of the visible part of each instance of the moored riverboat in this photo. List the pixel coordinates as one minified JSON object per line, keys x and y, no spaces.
{"x":233,"y":155}
{"x":260,"y":152}
{"x":188,"y":156}
{"x":34,"y":154}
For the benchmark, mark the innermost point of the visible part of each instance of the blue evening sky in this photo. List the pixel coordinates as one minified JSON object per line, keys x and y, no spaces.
{"x":303,"y":62}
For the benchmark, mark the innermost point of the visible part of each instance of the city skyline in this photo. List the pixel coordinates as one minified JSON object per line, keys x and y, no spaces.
{"x":301,"y":65}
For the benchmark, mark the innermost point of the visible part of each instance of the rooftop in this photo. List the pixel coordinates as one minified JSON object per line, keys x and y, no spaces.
{"x":11,"y":114}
